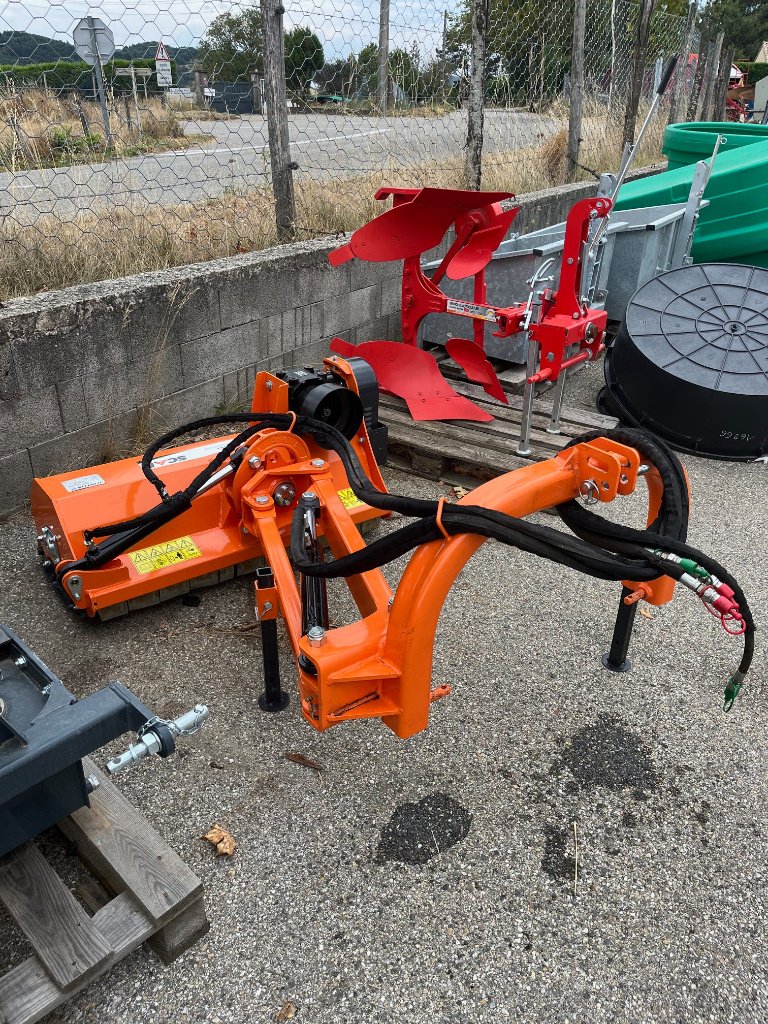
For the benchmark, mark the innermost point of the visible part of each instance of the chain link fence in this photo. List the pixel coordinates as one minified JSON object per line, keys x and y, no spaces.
{"x":106,"y":169}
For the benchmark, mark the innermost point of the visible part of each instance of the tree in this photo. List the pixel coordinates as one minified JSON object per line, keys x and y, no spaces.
{"x":745,"y":23}
{"x":232,"y":48}
{"x":303,"y":58}
{"x":403,"y":67}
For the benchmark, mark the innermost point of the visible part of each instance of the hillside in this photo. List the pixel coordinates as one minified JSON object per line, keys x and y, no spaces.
{"x":27,"y":48}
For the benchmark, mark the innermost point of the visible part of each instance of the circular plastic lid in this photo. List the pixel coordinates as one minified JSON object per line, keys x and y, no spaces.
{"x":706,"y":324}
{"x":690,"y":360}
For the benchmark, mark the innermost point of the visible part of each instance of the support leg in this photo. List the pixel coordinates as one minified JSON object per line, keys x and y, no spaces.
{"x":524,"y":445}
{"x":616,"y":659}
{"x":273,"y":698}
{"x":557,"y":404}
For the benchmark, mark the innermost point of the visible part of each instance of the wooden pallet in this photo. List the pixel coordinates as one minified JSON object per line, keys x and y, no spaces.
{"x":156,"y":898}
{"x":458,"y":448}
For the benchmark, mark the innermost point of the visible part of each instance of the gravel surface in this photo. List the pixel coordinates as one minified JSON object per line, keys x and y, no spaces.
{"x":562,"y":845}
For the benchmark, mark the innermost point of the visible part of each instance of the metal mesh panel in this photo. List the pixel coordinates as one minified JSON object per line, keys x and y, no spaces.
{"x":157,"y":176}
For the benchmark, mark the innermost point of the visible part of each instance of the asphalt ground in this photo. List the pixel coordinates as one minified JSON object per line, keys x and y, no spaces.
{"x":438,"y":879}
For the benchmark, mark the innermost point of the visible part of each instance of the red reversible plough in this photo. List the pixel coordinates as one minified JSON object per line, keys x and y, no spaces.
{"x":562,"y":328}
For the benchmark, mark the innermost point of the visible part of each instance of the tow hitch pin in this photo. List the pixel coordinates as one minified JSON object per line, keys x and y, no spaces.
{"x":159,"y":736}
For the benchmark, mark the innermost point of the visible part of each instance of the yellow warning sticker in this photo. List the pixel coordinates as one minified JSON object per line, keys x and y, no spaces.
{"x":160,"y":556}
{"x":349,"y":499}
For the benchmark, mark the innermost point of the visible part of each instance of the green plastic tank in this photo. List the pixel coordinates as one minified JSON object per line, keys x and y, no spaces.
{"x":734,"y":227}
{"x":687,"y":143}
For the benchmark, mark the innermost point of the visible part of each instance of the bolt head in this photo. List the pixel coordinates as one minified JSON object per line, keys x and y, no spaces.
{"x":318,"y":463}
{"x":254,"y":462}
{"x":316,"y":636}
{"x":262,"y":499}
{"x":269,"y":385}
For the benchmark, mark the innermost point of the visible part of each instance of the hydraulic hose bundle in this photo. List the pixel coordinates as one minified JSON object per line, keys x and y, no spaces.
{"x":598,"y":547}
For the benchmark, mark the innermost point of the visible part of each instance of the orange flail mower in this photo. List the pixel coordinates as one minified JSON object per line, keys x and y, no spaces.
{"x":300,"y":477}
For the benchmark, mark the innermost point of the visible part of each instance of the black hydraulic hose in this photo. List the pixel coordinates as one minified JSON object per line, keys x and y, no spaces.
{"x":609,"y":551}
{"x":598,"y":548}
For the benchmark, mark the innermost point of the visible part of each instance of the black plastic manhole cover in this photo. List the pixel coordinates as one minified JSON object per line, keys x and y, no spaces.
{"x":690,"y":361}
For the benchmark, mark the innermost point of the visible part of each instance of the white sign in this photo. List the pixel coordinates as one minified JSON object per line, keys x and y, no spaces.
{"x":80,"y":483}
{"x":201,"y":451}
{"x":92,"y":40}
{"x":131,"y":71}
{"x":163,"y":66}
{"x":470,"y":309}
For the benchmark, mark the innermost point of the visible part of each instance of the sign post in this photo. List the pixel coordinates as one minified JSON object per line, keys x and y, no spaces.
{"x":134,"y":73}
{"x":94,"y":43}
{"x":163,"y":67}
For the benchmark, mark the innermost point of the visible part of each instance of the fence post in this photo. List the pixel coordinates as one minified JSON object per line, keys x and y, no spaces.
{"x":85,"y":123}
{"x":710,"y":77}
{"x":638,"y":70}
{"x":128,"y":119}
{"x":681,"y":73}
{"x":576,"y":81}
{"x":382,"y":91}
{"x":277,"y":119}
{"x":693,"y":100}
{"x":476,"y":100}
{"x":721,"y":90}
{"x":201,"y":81}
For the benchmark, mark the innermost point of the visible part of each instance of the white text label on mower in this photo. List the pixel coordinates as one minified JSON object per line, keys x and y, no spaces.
{"x":79,"y":483}
{"x":202,"y":451}
{"x":470,"y":309}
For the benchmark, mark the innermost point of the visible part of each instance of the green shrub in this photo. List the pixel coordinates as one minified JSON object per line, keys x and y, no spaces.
{"x":70,"y":74}
{"x":754,"y":71}
{"x":67,"y":141}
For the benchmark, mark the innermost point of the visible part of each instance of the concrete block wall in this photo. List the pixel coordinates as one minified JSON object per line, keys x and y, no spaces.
{"x":95,"y":372}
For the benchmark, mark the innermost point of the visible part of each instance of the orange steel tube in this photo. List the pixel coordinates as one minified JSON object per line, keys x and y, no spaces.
{"x":381,"y":666}
{"x":433,"y":568}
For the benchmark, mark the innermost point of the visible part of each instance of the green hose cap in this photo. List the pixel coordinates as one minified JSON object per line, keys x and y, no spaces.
{"x":731,"y":693}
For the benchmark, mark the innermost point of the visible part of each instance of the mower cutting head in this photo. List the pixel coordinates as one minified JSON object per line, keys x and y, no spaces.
{"x":209,"y":540}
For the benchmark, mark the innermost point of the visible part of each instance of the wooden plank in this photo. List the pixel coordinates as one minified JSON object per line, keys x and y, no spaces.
{"x":586,"y":419}
{"x":436,"y":461}
{"x":500,"y":434}
{"x":124,"y":852}
{"x":181,"y":933}
{"x":67,"y":943}
{"x":27,"y":993}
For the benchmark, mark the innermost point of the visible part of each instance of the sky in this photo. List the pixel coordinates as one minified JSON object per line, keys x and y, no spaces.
{"x":341,"y":25}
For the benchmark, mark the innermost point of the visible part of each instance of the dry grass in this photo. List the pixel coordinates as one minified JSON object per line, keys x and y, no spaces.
{"x":53,"y":254}
{"x":38,"y":130}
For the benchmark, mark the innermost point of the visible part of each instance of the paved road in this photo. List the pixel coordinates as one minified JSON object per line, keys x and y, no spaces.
{"x":238,"y":157}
